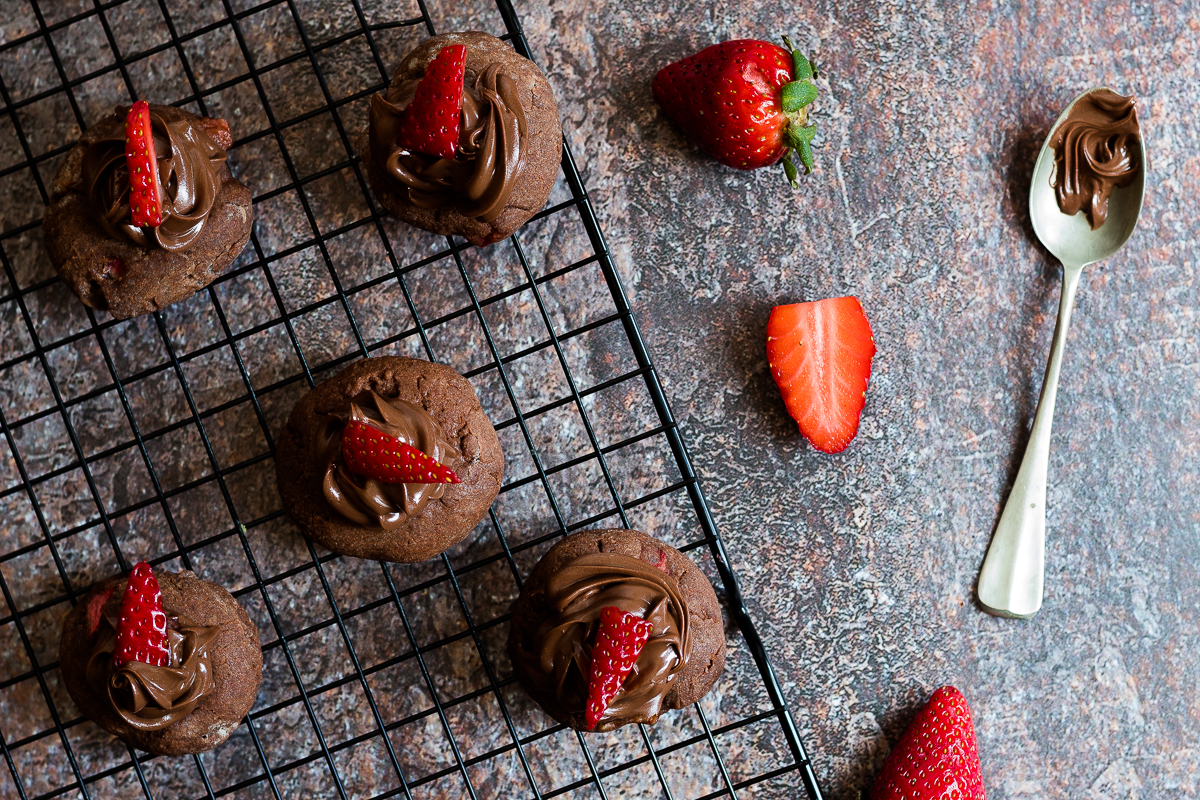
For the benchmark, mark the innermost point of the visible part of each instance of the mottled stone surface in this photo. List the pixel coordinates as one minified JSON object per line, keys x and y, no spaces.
{"x":859,"y":568}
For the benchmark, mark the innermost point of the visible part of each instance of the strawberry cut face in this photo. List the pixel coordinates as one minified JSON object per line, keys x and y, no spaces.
{"x":142,"y":626}
{"x":820,"y":357}
{"x":936,"y":757}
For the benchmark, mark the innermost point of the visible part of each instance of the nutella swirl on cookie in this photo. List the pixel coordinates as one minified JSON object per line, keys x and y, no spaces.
{"x":490,"y":158}
{"x":1095,"y":152}
{"x":147,"y":697}
{"x":560,"y":654}
{"x":366,"y":501}
{"x":190,"y":167}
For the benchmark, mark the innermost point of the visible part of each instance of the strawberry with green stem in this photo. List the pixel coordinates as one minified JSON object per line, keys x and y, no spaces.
{"x":745,"y":102}
{"x":370,"y":452}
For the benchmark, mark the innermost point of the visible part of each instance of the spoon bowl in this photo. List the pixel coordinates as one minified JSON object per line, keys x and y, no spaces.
{"x":1010,"y":581}
{"x":1071,"y":239}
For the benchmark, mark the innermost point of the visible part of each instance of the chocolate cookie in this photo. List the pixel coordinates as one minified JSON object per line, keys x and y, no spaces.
{"x":555,"y":619}
{"x":214,"y":628}
{"x":509,"y":146}
{"x":112,"y":265}
{"x":428,"y":406}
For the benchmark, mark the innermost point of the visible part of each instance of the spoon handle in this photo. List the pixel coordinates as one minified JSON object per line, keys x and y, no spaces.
{"x":1010,"y":582}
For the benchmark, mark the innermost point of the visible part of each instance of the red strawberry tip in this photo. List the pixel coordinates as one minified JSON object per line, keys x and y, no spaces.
{"x":95,"y":607}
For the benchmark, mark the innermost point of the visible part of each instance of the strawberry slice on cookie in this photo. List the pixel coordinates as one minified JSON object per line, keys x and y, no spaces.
{"x":145,"y":204}
{"x":820,"y":357}
{"x":142,"y":626}
{"x":619,"y":642}
{"x":430,"y":123}
{"x":370,"y":452}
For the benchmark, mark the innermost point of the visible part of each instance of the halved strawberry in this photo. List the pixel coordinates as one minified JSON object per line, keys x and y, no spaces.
{"x":368,"y":451}
{"x":619,"y":641}
{"x":142,"y":627}
{"x":820,"y":357}
{"x":145,"y":205}
{"x":430,"y":122}
{"x":937,"y":756}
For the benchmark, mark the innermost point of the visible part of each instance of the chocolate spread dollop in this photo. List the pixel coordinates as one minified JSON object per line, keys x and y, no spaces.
{"x":490,"y":158}
{"x":366,"y":501}
{"x":560,"y":654}
{"x":147,"y":697}
{"x":1096,"y":150}
{"x":189,"y":178}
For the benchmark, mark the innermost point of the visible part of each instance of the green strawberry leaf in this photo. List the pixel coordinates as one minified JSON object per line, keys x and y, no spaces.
{"x":796,"y":95}
{"x":801,"y":140}
{"x":789,"y":169}
{"x":802,"y":67}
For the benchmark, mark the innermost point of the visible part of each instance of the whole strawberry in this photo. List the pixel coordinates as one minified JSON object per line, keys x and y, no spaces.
{"x":936,"y":758}
{"x":745,"y":102}
{"x":142,"y":626}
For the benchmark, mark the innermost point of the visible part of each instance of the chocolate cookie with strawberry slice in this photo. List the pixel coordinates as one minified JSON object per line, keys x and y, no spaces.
{"x":391,"y":459}
{"x":167,"y":662}
{"x":466,"y":139}
{"x":144,"y":211}
{"x":615,"y":627}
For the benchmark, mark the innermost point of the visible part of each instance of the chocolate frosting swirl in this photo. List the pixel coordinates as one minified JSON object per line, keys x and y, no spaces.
{"x":490,"y":158}
{"x":1095,"y":151}
{"x":147,"y":697}
{"x":366,"y":501}
{"x":561,"y":652}
{"x":190,"y":168}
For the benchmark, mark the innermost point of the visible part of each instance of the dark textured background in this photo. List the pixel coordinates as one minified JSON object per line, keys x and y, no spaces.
{"x":859,"y":568}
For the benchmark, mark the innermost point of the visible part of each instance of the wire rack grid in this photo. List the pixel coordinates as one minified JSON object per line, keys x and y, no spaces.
{"x":152,"y":438}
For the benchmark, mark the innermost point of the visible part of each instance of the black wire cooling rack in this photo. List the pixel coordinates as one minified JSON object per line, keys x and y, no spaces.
{"x":152,"y":438}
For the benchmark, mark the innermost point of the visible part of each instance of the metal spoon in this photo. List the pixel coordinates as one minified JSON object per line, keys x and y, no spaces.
{"x":1010,"y":582}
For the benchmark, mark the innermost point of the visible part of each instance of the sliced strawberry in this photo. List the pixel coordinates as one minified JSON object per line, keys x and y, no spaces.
{"x":142,"y":627}
{"x":368,"y":451}
{"x":937,"y":756}
{"x":218,"y":131}
{"x":145,"y":205}
{"x":430,"y":122}
{"x":820,"y":357}
{"x":619,"y":641}
{"x":95,"y":605}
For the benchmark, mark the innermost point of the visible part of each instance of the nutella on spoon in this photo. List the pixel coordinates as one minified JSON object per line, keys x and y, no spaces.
{"x":1096,"y":150}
